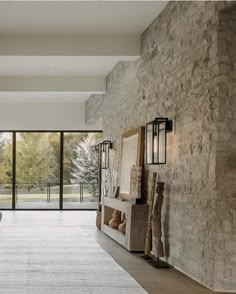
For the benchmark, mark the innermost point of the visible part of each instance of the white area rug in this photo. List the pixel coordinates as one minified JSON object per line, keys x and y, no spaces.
{"x":56,"y":252}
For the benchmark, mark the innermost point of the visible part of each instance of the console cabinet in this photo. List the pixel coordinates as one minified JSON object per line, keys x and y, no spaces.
{"x":136,"y":223}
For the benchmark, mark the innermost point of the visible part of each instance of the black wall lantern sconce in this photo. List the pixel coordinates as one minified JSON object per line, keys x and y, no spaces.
{"x":156,"y":140}
{"x":105,"y":146}
{"x":103,"y":153}
{"x":102,"y":149}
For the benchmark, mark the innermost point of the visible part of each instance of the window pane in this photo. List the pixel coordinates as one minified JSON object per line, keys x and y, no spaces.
{"x":6,"y":170}
{"x":37,"y":170}
{"x":81,"y":171}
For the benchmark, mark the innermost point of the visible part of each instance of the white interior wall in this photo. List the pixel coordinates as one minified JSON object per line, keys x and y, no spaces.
{"x":44,"y":116}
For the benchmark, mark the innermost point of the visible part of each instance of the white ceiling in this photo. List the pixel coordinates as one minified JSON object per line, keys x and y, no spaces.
{"x":57,"y":66}
{"x":77,"y":18}
{"x":74,"y":43}
{"x":44,"y":97}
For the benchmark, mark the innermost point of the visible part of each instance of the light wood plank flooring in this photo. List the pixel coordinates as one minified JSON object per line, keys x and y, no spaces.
{"x":53,"y":253}
{"x":28,"y":235}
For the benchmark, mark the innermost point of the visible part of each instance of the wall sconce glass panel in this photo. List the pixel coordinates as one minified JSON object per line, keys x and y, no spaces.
{"x":105,"y":146}
{"x":149,"y":147}
{"x":103,"y":153}
{"x":156,"y":140}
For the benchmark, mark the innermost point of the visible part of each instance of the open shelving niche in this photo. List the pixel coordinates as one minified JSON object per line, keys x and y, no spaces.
{"x":136,"y":223}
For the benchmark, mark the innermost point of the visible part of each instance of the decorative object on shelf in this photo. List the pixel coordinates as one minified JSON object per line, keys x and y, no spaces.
{"x":132,"y":154}
{"x":99,"y":219}
{"x":116,"y":219}
{"x":158,"y":249}
{"x":156,"y":140}
{"x":122,"y":227}
{"x":150,"y":215}
{"x":99,"y":216}
{"x":135,"y":181}
{"x":116,"y":191}
{"x":105,"y":191}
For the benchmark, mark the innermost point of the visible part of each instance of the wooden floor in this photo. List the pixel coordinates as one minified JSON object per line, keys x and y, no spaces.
{"x":53,"y":253}
{"x":52,"y":246}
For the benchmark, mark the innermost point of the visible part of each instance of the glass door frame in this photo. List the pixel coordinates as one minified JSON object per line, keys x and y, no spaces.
{"x":61,"y":184}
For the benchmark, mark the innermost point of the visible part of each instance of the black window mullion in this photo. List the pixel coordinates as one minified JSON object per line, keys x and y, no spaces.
{"x":61,"y":167}
{"x":14,"y":170}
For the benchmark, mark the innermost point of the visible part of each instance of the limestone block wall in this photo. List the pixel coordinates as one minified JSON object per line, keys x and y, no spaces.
{"x":224,"y":202}
{"x":93,"y":111}
{"x":180,"y":76}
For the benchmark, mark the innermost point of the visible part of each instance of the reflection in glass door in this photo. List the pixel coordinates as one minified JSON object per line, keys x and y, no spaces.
{"x":37,"y":170}
{"x":80,"y":171}
{"x":6,"y":170}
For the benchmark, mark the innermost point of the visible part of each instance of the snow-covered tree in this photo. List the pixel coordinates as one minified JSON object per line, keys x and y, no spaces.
{"x":85,"y":168}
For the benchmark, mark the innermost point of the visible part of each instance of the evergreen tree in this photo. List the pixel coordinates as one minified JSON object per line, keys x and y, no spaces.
{"x":71,"y":141}
{"x":5,"y":159}
{"x":85,"y":168}
{"x":54,"y":142}
{"x":36,"y":160}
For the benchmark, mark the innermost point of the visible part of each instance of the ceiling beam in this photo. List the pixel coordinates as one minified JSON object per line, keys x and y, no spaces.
{"x":48,"y":84}
{"x":69,"y":46}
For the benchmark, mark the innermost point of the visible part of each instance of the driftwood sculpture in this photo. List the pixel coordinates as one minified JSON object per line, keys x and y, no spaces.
{"x":156,"y":226}
{"x":149,"y":225}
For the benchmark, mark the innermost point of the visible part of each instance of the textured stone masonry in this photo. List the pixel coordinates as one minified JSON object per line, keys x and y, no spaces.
{"x":225,"y":198}
{"x":186,"y":72}
{"x":94,"y":108}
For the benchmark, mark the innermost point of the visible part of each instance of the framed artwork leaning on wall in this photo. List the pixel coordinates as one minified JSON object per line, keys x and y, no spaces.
{"x":131,"y":155}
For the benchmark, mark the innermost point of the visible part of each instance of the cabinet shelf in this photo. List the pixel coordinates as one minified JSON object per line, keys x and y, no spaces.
{"x":136,"y":223}
{"x":115,"y":234}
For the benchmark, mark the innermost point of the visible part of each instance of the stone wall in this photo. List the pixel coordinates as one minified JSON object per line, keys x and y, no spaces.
{"x":224,"y":203}
{"x":180,"y":76}
{"x":93,"y":111}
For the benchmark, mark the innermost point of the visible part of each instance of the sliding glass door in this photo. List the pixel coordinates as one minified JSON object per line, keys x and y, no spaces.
{"x":49,"y":170}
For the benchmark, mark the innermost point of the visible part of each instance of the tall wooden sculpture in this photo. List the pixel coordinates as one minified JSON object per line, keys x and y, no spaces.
{"x":158,"y":249}
{"x":149,"y":225}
